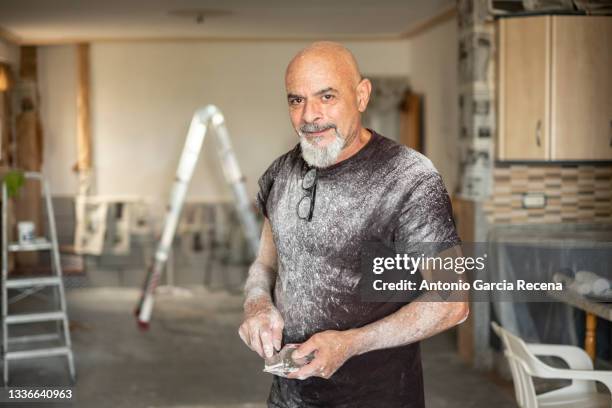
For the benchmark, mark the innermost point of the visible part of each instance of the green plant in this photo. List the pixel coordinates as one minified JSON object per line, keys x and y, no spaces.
{"x":14,"y":179}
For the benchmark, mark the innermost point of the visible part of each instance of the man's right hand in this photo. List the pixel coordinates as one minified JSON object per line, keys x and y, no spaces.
{"x":262,"y":329}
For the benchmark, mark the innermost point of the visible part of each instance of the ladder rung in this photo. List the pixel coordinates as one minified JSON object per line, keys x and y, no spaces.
{"x":34,"y":246}
{"x":34,"y":337}
{"x":29,"y":282}
{"x":34,"y":317}
{"x":36,"y":353}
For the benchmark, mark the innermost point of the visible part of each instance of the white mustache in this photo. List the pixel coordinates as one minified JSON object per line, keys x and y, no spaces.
{"x":313,"y":127}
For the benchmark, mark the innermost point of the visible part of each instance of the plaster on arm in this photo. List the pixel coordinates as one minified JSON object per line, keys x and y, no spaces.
{"x":262,"y":273}
{"x":263,"y":325}
{"x":413,"y":322}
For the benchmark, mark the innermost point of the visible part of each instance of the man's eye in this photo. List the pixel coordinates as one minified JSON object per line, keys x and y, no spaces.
{"x":328,"y":97}
{"x":295,"y":101}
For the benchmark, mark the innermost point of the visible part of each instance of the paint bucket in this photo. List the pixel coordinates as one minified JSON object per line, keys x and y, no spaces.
{"x":26,"y":230}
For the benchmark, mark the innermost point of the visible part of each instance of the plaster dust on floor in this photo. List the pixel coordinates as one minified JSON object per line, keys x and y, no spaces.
{"x":192,"y":357}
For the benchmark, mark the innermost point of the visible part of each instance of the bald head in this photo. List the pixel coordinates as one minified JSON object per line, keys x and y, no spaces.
{"x":326,"y":97}
{"x":332,"y":55}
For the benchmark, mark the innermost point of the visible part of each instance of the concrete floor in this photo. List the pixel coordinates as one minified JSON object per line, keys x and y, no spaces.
{"x":192,"y":357}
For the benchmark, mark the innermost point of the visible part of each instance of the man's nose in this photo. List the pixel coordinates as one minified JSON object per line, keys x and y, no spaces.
{"x":312,"y":112}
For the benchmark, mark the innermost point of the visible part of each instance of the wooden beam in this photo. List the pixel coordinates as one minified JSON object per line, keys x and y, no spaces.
{"x":411,"y":133}
{"x":590,"y":340}
{"x":27,"y":62}
{"x":83,"y":164}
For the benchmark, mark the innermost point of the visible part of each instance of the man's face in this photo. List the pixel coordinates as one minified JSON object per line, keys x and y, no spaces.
{"x":323,"y":107}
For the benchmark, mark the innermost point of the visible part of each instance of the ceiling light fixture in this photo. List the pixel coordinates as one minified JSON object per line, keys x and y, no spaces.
{"x":199,"y":15}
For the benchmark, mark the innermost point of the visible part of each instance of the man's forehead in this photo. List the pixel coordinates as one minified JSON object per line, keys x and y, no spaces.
{"x":313,"y":76}
{"x":313,"y":84}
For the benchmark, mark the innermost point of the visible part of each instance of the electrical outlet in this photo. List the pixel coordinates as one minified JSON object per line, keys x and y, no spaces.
{"x":534,"y":200}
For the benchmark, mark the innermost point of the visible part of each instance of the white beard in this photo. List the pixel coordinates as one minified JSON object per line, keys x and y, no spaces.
{"x":321,"y":157}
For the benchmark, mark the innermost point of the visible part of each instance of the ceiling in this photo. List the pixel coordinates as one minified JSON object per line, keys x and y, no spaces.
{"x":44,"y":21}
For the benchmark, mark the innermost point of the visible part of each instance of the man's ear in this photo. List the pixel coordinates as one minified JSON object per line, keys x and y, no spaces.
{"x":364,"y":89}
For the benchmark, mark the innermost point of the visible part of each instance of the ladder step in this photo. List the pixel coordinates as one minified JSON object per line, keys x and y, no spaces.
{"x":45,"y":352}
{"x":34,"y":337}
{"x":34,"y":317}
{"x":41,"y":245}
{"x":29,"y":282}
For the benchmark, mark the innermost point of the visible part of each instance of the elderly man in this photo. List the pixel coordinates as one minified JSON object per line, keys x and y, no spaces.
{"x":343,"y":185}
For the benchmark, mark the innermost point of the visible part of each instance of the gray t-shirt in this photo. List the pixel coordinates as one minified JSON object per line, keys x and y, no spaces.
{"x":384,"y":193}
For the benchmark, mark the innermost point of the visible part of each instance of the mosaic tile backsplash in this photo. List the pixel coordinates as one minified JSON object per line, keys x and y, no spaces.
{"x":573,"y":193}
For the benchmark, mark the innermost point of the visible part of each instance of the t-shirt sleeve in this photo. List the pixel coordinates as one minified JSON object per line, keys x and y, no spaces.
{"x":427,"y":217}
{"x":265,"y":182}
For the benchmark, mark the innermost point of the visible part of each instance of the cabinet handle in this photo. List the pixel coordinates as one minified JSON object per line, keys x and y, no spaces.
{"x":610,"y":138}
{"x":538,"y":133}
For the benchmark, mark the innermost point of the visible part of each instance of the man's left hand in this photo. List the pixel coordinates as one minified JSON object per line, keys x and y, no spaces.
{"x":331,"y":350}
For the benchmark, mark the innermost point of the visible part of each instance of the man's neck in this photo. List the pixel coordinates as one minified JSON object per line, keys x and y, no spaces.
{"x":356,"y":145}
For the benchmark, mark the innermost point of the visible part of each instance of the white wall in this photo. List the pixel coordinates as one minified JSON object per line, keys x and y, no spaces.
{"x":144,"y":93}
{"x":142,"y":98}
{"x":432,"y":67}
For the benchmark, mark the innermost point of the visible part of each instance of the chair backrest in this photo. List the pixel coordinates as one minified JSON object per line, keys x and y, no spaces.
{"x":528,"y":392}
{"x":524,"y":389}
{"x":518,"y":348}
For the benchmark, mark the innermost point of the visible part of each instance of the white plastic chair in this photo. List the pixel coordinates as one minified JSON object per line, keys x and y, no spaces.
{"x":581,"y":393}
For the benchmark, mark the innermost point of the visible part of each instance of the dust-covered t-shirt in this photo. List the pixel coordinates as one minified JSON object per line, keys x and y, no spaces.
{"x":385,"y":193}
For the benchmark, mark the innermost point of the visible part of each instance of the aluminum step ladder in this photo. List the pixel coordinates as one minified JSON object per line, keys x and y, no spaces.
{"x":29,"y":286}
{"x":200,"y":122}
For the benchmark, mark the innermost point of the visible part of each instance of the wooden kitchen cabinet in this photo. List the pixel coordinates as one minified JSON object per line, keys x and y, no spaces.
{"x":555,"y":88}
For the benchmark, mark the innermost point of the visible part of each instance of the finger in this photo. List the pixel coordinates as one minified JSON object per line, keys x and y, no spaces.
{"x":308,"y":370}
{"x":324,"y":372}
{"x":266,"y":342}
{"x":256,"y":342}
{"x":277,"y":337}
{"x":305,"y":348}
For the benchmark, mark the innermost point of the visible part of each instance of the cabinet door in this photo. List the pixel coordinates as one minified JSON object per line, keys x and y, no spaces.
{"x":581,"y":88}
{"x":523,"y":88}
